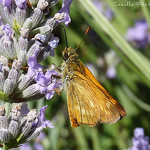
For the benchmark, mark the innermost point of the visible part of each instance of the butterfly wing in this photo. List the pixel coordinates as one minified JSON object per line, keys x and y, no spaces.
{"x":89,"y":103}
{"x":90,"y":76}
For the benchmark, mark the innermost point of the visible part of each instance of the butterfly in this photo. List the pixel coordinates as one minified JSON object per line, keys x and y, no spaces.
{"x":88,"y":102}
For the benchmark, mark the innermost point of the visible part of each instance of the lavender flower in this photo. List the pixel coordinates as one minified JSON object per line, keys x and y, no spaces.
{"x":111,"y":72}
{"x":139,"y":141}
{"x":112,"y":61}
{"x":139,"y":35}
{"x":22,"y":125}
{"x":19,"y":51}
{"x":25,"y":41}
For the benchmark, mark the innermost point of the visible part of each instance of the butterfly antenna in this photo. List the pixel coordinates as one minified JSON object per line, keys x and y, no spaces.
{"x":87,"y":30}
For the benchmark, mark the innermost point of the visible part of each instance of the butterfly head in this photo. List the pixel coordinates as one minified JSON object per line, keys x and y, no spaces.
{"x":69,"y":52}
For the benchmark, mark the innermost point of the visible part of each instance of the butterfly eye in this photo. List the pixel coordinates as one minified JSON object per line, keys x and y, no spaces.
{"x":65,"y":56}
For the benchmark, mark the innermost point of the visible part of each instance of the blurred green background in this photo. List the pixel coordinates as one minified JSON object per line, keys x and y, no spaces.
{"x":119,"y":64}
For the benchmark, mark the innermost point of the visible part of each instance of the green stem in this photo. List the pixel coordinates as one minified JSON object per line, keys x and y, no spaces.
{"x":136,"y":58}
{"x":7,"y":108}
{"x":145,"y":11}
{"x":135,"y":99}
{"x":110,"y":43}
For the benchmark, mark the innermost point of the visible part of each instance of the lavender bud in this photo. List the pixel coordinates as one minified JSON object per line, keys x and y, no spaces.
{"x":24,"y":33}
{"x":27,"y":24}
{"x":2,"y":50}
{"x":24,"y":82}
{"x":42,"y":4}
{"x":32,"y":50}
{"x":8,"y":15}
{"x":15,"y":112}
{"x":13,"y":128}
{"x":5,"y":70}
{"x":34,"y":134}
{"x":8,"y":86}
{"x":51,"y":22}
{"x":3,"y":118}
{"x":17,"y":65}
{"x":59,"y":16}
{"x":43,"y":54}
{"x":4,"y":135}
{"x":4,"y":60}
{"x":45,"y":29}
{"x":14,"y":122}
{"x":20,"y":16}
{"x":36,"y":17}
{"x":29,"y":122}
{"x":22,"y":44}
{"x":13,"y":76}
{"x":30,"y":91}
{"x":22,"y":56}
{"x":2,"y":80}
{"x":1,"y":31}
{"x":9,"y":47}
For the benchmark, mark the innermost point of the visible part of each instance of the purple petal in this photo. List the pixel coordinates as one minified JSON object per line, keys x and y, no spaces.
{"x":52,"y":53}
{"x":32,"y":62}
{"x":40,"y":39}
{"x":24,"y":109}
{"x":7,"y":30}
{"x":139,"y":132}
{"x":111,"y":72}
{"x":38,"y":146}
{"x":21,"y":3}
{"x":25,"y":146}
{"x":41,"y":136}
{"x":54,"y":42}
{"x":139,"y":34}
{"x":66,"y":9}
{"x":6,"y":3}
{"x":44,"y":122}
{"x":49,"y":94}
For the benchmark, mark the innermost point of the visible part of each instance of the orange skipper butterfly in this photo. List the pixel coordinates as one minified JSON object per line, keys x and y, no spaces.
{"x":88,"y":102}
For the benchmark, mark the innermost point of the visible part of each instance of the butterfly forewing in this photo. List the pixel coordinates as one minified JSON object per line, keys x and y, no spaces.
{"x":84,"y":108}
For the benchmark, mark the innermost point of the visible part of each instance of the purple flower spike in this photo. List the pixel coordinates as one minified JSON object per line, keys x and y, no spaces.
{"x":139,"y":132}
{"x":5,"y":3}
{"x":139,"y":141}
{"x":65,"y":9}
{"x":44,"y":122}
{"x":139,"y":34}
{"x":111,"y":72}
{"x":34,"y":67}
{"x":21,"y":3}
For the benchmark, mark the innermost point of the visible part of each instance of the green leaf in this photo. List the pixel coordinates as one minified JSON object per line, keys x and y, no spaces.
{"x":4,"y":97}
{"x":16,"y":27}
{"x":140,"y":63}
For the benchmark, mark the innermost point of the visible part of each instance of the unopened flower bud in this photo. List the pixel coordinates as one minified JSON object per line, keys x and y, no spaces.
{"x":4,"y":135}
{"x":8,"y":86}
{"x":3,"y":118}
